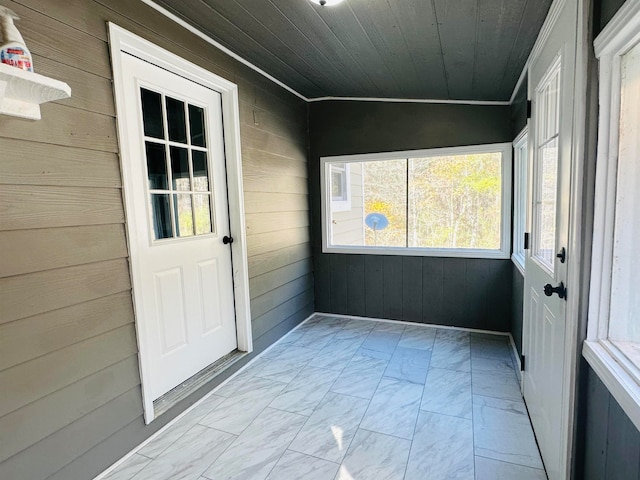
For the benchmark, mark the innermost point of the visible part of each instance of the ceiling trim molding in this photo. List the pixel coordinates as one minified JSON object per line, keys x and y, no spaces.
{"x":543,"y":36}
{"x":409,"y":100}
{"x":208,"y":39}
{"x":552,"y":16}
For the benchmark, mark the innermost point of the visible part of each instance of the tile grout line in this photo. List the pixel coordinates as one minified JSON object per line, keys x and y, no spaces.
{"x":415,"y":425}
{"x":511,"y":463}
{"x":365,"y":412}
{"x":325,"y":395}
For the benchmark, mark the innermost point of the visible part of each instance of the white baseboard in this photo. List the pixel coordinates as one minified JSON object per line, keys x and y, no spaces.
{"x":427,"y":325}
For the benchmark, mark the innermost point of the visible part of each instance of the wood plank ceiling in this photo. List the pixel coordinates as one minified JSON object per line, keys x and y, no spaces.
{"x":419,"y":49}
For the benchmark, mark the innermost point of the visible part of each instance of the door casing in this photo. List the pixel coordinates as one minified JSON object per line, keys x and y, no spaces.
{"x":123,"y":42}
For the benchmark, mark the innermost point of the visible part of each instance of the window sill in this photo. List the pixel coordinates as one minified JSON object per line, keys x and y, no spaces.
{"x":614,"y":371}
{"x":417,"y":252}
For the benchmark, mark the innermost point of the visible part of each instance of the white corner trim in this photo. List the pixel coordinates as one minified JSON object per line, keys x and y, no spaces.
{"x":521,"y":136}
{"x":523,"y":73}
{"x":409,"y":100}
{"x":219,"y":46}
{"x":543,"y":36}
{"x":622,"y":386}
{"x":517,"y":259}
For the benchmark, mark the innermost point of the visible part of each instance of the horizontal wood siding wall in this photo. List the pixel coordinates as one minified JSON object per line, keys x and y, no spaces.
{"x":70,"y":398}
{"x":473,"y":293}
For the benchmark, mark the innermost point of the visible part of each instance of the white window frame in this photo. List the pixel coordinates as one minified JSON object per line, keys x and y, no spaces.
{"x":504,"y":252}
{"x":618,"y":373}
{"x":520,"y":197}
{"x":343,"y":205}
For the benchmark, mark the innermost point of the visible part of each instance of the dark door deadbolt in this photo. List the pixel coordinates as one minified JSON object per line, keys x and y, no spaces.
{"x":562,"y":255}
{"x":560,"y":290}
{"x":227,"y":240}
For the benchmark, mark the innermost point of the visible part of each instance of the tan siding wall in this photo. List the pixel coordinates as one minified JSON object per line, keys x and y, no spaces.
{"x":70,"y":401}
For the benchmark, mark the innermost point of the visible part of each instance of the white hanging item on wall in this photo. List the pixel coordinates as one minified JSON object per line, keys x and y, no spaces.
{"x":21,"y":90}
{"x":13,"y":50}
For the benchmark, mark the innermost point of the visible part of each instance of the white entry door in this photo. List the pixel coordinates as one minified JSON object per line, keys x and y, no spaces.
{"x":178,"y":216}
{"x":551,"y":86}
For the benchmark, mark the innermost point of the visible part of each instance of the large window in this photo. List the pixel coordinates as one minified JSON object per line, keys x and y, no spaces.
{"x":613,"y":346}
{"x":440,"y":202}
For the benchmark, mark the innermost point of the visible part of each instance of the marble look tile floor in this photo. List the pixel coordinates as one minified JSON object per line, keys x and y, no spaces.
{"x":348,"y":399}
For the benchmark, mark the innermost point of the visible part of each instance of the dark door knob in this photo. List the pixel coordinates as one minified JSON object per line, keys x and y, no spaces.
{"x":562,"y":255}
{"x":560,"y":290}
{"x":227,"y":240}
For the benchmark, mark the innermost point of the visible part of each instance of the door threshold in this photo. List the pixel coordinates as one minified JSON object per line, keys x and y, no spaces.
{"x":186,"y":388}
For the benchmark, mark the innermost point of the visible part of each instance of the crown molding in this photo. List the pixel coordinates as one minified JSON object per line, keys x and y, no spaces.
{"x":543,"y":36}
{"x":219,"y":46}
{"x":409,"y":100}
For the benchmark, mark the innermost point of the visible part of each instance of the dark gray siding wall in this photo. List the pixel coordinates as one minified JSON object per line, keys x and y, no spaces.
{"x":604,"y":10}
{"x":517,"y":301}
{"x":70,"y":401}
{"x":462,"y":292}
{"x":612,"y":442}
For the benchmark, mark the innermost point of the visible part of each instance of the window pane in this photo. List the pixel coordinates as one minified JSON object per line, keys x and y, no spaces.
{"x":184,"y":214}
{"x":161,"y":216}
{"x":202,"y":208}
{"x":200,"y":171}
{"x":156,"y":166}
{"x":548,"y":185}
{"x":544,"y":192}
{"x":624,"y":319}
{"x":176,"y":120}
{"x":338,"y":182}
{"x":385,"y":193}
{"x":196,"y":124}
{"x":180,"y":168}
{"x":455,"y":201}
{"x":152,"y":113}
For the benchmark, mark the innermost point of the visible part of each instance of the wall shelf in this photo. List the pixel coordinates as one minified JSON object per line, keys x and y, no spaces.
{"x":22,"y":92}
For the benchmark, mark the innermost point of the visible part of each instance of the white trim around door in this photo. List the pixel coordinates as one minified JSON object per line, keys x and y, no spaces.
{"x":575,"y":265}
{"x":122,"y":43}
